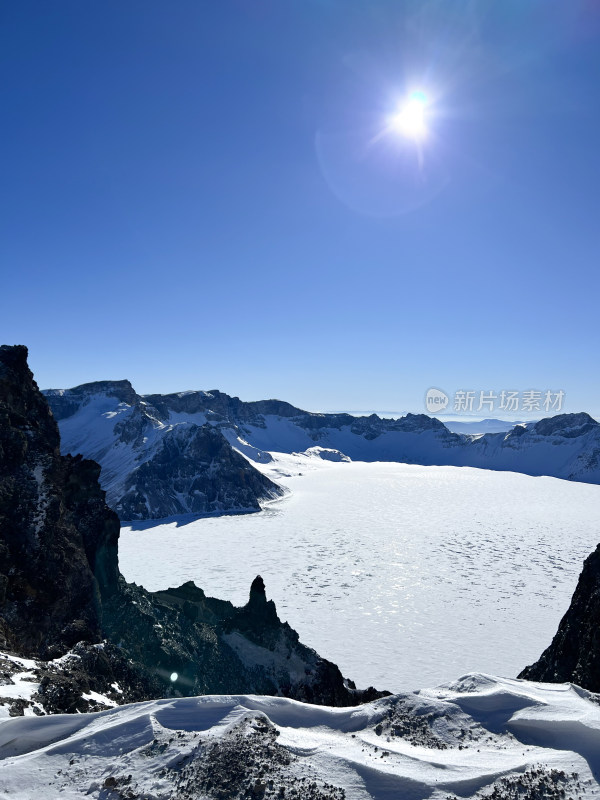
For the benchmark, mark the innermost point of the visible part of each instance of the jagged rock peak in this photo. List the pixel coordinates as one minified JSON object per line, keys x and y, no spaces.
{"x":14,"y":355}
{"x":258,"y":610}
{"x":569,"y":425}
{"x":22,"y":399}
{"x":258,"y":595}
{"x":257,"y":591}
{"x":421,"y":422}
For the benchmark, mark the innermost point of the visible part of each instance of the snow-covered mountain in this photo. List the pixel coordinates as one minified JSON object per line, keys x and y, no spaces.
{"x":164,"y":455}
{"x":479,"y":737}
{"x":564,"y":446}
{"x":155,"y":466}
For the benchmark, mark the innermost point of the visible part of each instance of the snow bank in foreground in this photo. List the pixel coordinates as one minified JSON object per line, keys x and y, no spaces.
{"x":478,"y":737}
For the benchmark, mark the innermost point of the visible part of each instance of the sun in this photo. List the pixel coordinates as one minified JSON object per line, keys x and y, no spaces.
{"x":411,"y":119}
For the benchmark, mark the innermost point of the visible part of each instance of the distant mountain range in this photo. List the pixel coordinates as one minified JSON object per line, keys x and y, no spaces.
{"x":482,"y":426}
{"x":194,"y":452}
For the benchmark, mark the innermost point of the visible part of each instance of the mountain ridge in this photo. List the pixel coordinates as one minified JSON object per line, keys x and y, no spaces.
{"x":205,"y":451}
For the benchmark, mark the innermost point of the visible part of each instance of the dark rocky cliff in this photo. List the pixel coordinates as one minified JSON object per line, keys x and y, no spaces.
{"x":58,"y":539}
{"x":197,"y":464}
{"x":574,"y":654}
{"x":60,"y":588}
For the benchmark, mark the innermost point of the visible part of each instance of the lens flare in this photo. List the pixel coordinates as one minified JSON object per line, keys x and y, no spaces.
{"x":411,"y":120}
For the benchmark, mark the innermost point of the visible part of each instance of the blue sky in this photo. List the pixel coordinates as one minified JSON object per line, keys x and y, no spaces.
{"x":204,"y":195}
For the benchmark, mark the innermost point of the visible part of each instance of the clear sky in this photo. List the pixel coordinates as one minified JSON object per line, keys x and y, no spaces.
{"x":208,"y":194}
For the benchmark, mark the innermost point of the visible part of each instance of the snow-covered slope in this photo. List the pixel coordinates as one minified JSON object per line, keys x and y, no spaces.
{"x":480,"y":736}
{"x":164,"y":455}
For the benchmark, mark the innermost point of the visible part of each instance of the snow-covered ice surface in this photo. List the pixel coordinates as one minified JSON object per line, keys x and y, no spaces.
{"x":405,"y":576}
{"x":478,"y":737}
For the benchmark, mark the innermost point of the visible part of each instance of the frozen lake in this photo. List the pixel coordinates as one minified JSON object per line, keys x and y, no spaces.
{"x":405,"y":576}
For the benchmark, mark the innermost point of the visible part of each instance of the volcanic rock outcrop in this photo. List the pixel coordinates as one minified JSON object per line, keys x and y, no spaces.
{"x":58,"y":538}
{"x":574,"y":654}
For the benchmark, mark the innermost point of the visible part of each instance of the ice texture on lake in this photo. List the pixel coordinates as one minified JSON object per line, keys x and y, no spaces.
{"x":405,"y":576}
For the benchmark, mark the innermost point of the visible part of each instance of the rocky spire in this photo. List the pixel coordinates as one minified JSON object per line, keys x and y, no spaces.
{"x":261,"y":611}
{"x":258,"y":595}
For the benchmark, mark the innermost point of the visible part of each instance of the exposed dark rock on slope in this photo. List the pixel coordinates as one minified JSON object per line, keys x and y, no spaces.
{"x":61,"y":586}
{"x":574,"y":654}
{"x":216,"y":648}
{"x":195,"y":471}
{"x":153,"y":467}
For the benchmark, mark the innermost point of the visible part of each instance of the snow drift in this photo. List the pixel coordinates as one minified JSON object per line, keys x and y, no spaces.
{"x":480,"y":736}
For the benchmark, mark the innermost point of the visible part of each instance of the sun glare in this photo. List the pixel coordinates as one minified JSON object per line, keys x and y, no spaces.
{"x":410,"y":120}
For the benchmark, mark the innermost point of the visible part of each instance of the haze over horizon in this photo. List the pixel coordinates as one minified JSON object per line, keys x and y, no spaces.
{"x":235,"y":196}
